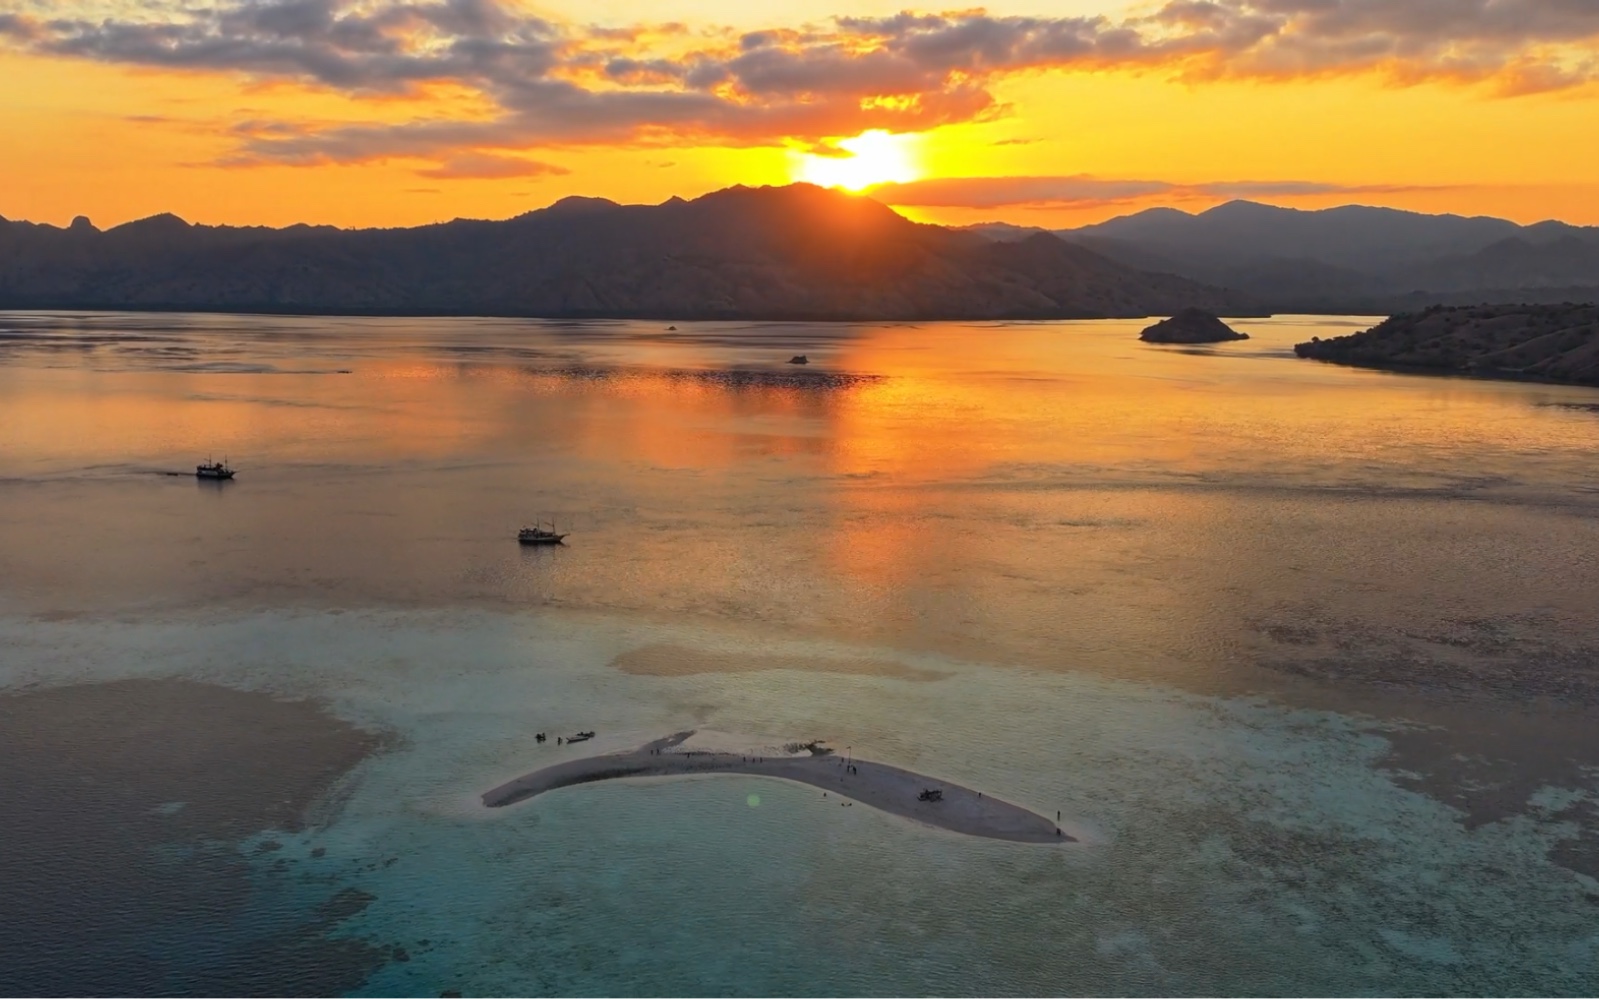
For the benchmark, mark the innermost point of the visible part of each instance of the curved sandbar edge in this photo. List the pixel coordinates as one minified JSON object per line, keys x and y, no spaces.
{"x":889,"y":789}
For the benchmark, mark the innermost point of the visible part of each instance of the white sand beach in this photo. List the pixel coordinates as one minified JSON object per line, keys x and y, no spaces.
{"x":890,"y":789}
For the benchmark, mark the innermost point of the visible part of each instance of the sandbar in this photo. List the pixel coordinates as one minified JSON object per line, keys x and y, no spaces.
{"x":887,"y":788}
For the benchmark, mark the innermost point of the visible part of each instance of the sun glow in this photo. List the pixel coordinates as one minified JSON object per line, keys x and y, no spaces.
{"x":874,"y":157}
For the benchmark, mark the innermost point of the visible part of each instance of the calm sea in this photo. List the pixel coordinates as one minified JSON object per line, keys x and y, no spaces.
{"x":1312,"y":652}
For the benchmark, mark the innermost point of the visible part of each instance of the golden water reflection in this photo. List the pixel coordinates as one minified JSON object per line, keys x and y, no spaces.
{"x":1054,"y":495}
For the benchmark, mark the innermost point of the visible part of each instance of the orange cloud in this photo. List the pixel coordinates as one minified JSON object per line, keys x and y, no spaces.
{"x":547,"y":83}
{"x":482,"y":166}
{"x":1082,"y":191}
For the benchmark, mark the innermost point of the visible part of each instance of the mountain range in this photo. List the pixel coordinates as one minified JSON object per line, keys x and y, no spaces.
{"x":804,"y":252}
{"x":795,"y":252}
{"x":1352,"y":259}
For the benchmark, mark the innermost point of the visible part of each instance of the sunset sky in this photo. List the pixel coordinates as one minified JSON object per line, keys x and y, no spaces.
{"x":1049,"y":112}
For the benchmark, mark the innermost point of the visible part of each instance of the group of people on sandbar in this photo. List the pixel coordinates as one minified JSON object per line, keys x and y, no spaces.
{"x":542,"y":737}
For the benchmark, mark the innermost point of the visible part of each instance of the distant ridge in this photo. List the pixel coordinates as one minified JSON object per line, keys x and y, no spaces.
{"x":796,"y":252}
{"x":577,"y":204}
{"x":1351,"y":259}
{"x":1354,"y":258}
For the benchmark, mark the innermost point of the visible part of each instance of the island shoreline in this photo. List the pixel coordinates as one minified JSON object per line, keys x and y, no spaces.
{"x":1539,"y":344}
{"x":1432,"y":372}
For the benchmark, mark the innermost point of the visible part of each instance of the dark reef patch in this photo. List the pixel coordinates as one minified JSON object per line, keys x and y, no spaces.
{"x":1483,"y":715}
{"x":125,"y":811}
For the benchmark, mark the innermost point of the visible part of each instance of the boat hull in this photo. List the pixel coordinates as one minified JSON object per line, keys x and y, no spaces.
{"x":556,"y":540}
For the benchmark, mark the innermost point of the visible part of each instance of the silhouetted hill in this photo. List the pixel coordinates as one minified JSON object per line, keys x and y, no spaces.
{"x":1004,"y":232}
{"x":1353,"y":236}
{"x":1518,"y":262}
{"x":768,"y":253}
{"x":1557,"y":343}
{"x":1354,"y":258}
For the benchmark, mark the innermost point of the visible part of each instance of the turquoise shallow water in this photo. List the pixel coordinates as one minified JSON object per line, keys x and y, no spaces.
{"x":1307,"y":654}
{"x":1236,"y":846}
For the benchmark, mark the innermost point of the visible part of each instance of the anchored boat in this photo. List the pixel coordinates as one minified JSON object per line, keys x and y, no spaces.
{"x":213,"y":470}
{"x":539,"y":536}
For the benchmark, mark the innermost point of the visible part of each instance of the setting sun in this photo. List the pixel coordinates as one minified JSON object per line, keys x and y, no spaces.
{"x":874,"y":157}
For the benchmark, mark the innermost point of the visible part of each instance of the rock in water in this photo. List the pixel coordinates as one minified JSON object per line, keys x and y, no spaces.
{"x":1191,"y":326}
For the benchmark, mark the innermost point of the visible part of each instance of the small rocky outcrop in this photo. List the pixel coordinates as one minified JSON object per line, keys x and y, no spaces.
{"x":1191,"y":326}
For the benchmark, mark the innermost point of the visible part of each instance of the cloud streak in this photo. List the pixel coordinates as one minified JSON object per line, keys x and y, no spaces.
{"x":1085,"y":191}
{"x":560,"y":84}
{"x":484,"y":166}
